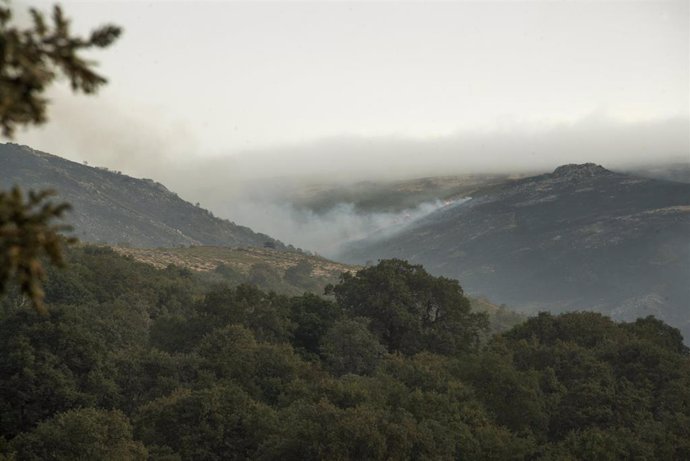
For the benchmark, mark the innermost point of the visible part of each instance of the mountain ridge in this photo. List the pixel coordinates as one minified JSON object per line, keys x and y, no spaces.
{"x":110,"y":207}
{"x":581,"y":237}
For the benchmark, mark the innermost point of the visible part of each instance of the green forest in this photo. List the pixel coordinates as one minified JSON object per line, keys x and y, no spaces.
{"x":132,"y":362}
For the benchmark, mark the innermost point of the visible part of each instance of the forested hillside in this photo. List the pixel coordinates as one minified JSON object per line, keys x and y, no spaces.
{"x":134,"y":362}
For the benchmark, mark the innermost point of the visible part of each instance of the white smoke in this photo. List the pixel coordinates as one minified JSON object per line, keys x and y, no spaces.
{"x":325,"y":233}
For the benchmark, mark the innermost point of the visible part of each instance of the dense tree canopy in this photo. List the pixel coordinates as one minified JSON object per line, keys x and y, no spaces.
{"x":410,"y":310}
{"x":81,"y":434}
{"x":131,"y":361}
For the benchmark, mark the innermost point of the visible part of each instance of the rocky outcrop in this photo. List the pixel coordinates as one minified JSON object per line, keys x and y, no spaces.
{"x":576,"y":172}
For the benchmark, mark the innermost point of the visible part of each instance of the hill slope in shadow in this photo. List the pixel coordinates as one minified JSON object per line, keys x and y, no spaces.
{"x":582,"y":237}
{"x":109,"y":207}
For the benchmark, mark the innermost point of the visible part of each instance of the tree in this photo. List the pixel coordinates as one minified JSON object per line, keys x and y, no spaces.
{"x":411,"y":310}
{"x":25,"y":233}
{"x":349,"y":347}
{"x":86,"y":433}
{"x":30,"y":61}
{"x":51,"y":364}
{"x":313,"y":316}
{"x":221,"y":422}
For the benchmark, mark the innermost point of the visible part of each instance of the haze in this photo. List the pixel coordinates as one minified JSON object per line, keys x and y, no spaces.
{"x":220,"y":78}
{"x":209,"y":97}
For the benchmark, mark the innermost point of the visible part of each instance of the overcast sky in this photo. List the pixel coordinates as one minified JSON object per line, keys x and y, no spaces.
{"x":191,"y":80}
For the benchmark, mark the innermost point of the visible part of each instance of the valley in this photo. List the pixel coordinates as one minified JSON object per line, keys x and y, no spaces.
{"x":579,"y":238}
{"x":344,"y":231}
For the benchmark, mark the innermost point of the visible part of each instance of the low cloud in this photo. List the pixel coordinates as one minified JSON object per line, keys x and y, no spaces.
{"x":257,"y":188}
{"x":518,"y":148}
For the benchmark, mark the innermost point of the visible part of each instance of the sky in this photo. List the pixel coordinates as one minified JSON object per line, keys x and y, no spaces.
{"x":192,"y":82}
{"x":241,"y":105}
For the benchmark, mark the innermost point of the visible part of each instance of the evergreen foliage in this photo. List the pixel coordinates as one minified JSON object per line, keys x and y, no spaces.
{"x":26,"y":233}
{"x":30,"y":61}
{"x":131,"y":361}
{"x":410,"y":310}
{"x":32,"y":58}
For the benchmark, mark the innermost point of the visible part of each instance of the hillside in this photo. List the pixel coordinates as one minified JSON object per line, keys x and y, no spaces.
{"x":582,"y":237}
{"x":109,"y":207}
{"x":389,"y":196}
{"x":287,"y":272}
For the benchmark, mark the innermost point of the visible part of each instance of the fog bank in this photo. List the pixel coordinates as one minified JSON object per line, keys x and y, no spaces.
{"x":257,"y":188}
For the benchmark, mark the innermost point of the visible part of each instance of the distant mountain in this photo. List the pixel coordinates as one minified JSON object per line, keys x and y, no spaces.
{"x":582,"y":237}
{"x":679,"y":172}
{"x":388,"y":196}
{"x":110,"y":207}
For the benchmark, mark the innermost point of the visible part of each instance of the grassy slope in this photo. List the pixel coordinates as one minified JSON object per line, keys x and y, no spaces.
{"x":288,"y":272}
{"x":208,"y":258}
{"x":238,"y":265}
